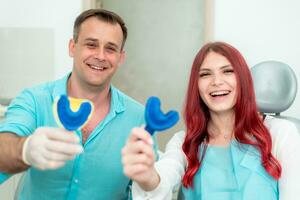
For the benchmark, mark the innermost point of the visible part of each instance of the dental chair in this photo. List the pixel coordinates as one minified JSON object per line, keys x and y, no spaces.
{"x":275,"y":86}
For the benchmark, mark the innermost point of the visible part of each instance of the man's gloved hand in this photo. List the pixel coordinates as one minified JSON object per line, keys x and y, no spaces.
{"x":50,"y":148}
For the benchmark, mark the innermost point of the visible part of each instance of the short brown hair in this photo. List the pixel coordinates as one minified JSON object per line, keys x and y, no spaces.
{"x":103,"y":15}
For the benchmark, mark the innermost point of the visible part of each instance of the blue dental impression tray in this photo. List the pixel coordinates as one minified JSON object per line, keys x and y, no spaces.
{"x":71,"y":113}
{"x":156,"y":120}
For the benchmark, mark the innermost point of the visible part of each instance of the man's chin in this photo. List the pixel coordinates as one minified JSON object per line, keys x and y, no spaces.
{"x":98,"y":84}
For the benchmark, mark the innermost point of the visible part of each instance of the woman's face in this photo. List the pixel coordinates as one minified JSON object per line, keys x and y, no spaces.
{"x":217,"y":83}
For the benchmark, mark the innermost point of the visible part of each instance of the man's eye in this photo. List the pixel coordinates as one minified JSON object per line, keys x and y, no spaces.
{"x":91,"y":45}
{"x":111,"y":49}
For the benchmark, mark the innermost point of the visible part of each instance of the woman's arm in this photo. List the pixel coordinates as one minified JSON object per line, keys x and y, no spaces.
{"x":286,"y":148}
{"x":169,"y":168}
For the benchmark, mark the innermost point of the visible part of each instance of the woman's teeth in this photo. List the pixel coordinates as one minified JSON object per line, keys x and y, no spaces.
{"x":219,"y":93}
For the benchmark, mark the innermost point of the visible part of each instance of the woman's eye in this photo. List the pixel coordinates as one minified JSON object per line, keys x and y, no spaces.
{"x":203,"y":74}
{"x":228,"y":71}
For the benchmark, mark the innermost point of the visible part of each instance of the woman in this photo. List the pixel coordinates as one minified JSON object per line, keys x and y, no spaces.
{"x":228,"y":152}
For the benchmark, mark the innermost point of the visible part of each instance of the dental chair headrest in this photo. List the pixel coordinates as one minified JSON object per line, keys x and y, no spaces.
{"x":275,"y":86}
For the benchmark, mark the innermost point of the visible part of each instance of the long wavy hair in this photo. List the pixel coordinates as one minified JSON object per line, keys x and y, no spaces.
{"x":196,"y":115}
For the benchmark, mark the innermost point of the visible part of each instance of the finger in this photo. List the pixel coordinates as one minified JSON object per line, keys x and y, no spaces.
{"x":61,"y":135}
{"x":135,"y":148}
{"x":40,"y":163}
{"x":139,"y":147}
{"x":63,"y":147}
{"x":54,"y":156}
{"x":132,"y":170}
{"x":137,"y":159}
{"x":54,"y":164}
{"x":43,"y":163}
{"x":140,"y":170}
{"x":140,"y":134}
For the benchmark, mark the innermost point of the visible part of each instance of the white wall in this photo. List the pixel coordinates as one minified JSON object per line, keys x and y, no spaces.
{"x":164,"y":37}
{"x":52,"y":14}
{"x":262,"y":30}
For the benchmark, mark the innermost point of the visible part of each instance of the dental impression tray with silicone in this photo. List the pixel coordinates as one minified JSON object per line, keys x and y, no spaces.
{"x":156,"y":120}
{"x":72,"y":113}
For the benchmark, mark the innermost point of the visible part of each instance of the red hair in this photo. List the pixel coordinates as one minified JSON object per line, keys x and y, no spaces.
{"x":196,"y":115}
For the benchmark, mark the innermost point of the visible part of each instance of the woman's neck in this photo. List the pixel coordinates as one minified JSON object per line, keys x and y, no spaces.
{"x":221,"y":128}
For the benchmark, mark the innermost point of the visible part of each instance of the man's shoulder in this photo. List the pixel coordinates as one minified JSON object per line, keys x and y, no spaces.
{"x":41,"y":87}
{"x":40,"y":92}
{"x":129,"y":108}
{"x":128,"y":101}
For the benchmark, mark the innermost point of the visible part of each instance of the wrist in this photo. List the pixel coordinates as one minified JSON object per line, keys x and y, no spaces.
{"x":24,"y":150}
{"x":151,"y":183}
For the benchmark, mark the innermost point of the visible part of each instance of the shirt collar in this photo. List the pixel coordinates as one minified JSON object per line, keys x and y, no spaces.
{"x":117,"y":100}
{"x":117,"y":97}
{"x":60,"y":87}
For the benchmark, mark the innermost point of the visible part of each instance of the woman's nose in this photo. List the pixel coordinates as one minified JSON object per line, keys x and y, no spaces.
{"x":217,"y":80}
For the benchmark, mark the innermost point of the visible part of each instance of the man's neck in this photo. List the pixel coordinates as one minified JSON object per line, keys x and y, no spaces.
{"x":98,"y":95}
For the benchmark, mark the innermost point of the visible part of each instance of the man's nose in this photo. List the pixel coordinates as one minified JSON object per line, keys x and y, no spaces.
{"x":100,"y":54}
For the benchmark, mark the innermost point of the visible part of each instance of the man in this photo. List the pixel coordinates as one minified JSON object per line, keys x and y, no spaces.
{"x":85,"y":164}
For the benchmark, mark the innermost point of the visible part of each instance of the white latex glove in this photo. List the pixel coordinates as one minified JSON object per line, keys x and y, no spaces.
{"x":50,"y":148}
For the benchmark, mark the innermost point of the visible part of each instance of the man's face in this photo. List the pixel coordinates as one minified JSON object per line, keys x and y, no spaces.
{"x":97,"y":53}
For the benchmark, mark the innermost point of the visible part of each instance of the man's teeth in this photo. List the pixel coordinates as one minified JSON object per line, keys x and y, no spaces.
{"x":219,"y":93}
{"x":96,"y":67}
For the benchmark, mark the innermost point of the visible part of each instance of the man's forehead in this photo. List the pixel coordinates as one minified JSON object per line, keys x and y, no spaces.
{"x":98,"y":23}
{"x":99,"y":30}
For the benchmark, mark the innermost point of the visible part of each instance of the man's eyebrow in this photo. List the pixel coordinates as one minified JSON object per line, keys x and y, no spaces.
{"x":91,"y":39}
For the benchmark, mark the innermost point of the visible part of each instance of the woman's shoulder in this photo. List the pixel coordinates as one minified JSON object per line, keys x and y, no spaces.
{"x":279,"y":127}
{"x":176,"y":140}
{"x":180,"y":135}
{"x":283,"y":132}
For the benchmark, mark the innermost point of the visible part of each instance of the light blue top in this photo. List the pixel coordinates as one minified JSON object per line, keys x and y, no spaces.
{"x":232,"y":173}
{"x":95,"y":174}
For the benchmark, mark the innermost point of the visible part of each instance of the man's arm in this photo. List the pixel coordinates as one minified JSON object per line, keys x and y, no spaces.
{"x":19,"y":122}
{"x":23,"y":144}
{"x":46,"y":148}
{"x":11,"y":147}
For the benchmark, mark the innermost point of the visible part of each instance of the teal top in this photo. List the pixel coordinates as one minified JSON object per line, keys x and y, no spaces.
{"x":232,"y":173}
{"x":95,"y":174}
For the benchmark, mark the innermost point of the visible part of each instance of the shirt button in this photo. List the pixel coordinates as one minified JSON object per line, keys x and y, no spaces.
{"x":76,"y":181}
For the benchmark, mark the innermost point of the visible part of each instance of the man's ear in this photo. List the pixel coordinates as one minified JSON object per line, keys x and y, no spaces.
{"x":122,"y":57}
{"x":71,"y":48}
